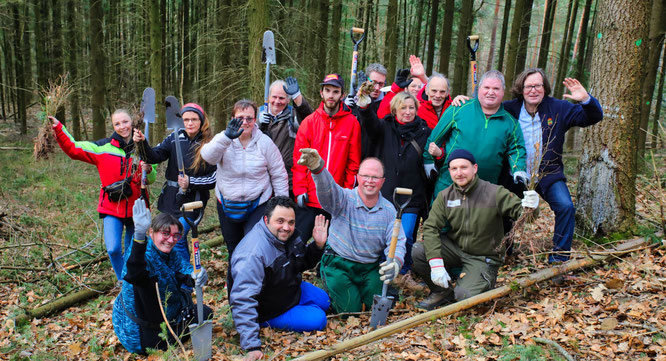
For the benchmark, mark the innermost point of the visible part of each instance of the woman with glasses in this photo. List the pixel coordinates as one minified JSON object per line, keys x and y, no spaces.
{"x":250,"y":170}
{"x":402,"y":137}
{"x":199,"y":176}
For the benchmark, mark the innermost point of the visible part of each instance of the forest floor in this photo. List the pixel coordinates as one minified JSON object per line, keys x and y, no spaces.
{"x":48,"y":221}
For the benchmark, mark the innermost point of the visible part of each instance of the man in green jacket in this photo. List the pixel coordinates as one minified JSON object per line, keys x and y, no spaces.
{"x":473,"y":209}
{"x":483,"y":127}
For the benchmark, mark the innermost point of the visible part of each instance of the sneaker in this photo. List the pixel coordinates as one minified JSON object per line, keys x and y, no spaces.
{"x":435,"y":300}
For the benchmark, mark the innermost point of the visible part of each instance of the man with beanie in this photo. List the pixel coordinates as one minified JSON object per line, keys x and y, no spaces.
{"x":473,"y":209}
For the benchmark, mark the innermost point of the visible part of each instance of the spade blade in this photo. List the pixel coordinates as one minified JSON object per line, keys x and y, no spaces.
{"x":268,"y":55}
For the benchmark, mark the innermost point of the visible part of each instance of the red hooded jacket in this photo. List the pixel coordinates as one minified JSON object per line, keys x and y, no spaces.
{"x":426,"y":110}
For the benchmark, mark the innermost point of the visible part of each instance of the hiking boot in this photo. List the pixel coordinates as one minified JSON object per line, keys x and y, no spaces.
{"x":406,"y":281}
{"x":435,"y":300}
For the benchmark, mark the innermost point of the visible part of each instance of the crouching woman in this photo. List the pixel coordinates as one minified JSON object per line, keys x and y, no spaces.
{"x":136,"y":310}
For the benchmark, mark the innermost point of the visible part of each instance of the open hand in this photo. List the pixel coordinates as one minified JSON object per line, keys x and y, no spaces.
{"x":320,"y":231}
{"x":459,"y":100}
{"x":234,"y":129}
{"x":417,"y":69}
{"x":578,"y":92}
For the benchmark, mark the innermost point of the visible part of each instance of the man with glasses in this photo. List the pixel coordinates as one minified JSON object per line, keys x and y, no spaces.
{"x":335,"y":133}
{"x":359,"y":236}
{"x":377,"y":74}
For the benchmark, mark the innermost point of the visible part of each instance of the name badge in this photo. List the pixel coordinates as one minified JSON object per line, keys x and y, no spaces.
{"x":454,"y":203}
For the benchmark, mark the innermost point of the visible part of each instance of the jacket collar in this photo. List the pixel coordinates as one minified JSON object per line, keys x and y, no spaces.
{"x":469,"y":188}
{"x":342,"y":112}
{"x":272,"y":239}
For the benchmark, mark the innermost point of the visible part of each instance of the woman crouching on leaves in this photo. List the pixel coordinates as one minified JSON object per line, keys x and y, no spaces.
{"x":136,"y":310}
{"x":199,"y":176}
{"x":120,"y":179}
{"x":249,"y":170}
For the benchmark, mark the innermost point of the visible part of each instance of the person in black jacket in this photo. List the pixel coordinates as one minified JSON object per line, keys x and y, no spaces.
{"x":401,"y":138}
{"x":199,"y":176}
{"x":266,"y":287}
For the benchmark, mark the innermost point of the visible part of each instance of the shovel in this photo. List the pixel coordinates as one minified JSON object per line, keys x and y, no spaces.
{"x":381,"y":304}
{"x":175,"y":122}
{"x":472,"y":58}
{"x":268,"y":56}
{"x":202,"y":331}
{"x":148,"y":111}
{"x":352,"y":32}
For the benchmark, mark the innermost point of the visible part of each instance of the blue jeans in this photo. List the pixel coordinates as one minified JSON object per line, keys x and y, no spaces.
{"x":409,"y":221}
{"x":113,"y":232}
{"x":308,"y":315}
{"x":181,"y":246}
{"x":559,"y":200}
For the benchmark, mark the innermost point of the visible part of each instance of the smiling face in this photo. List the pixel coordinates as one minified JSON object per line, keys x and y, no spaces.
{"x":282,"y":222}
{"x":414,"y":87}
{"x":331,"y":95}
{"x":533,"y":90}
{"x":437,"y":91}
{"x":192,"y":124}
{"x":165,"y":240}
{"x":406,"y":112}
{"x":248,"y":121}
{"x":370,"y":178}
{"x":462,"y":171}
{"x":379,"y":80}
{"x":122,"y":124}
{"x":491,"y":93}
{"x":277,"y":99}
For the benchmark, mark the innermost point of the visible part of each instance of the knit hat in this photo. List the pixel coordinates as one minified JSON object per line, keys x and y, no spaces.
{"x":461,"y":153}
{"x":193,"y":107}
{"x":333,"y":79}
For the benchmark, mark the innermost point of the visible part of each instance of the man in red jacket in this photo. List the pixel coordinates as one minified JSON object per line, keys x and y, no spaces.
{"x":335,"y":133}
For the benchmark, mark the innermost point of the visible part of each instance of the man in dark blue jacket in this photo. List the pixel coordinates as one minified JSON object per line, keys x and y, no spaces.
{"x":266,"y":287}
{"x":544,"y":121}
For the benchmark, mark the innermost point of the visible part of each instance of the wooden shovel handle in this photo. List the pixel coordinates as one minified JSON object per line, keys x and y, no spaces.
{"x":192,"y":206}
{"x":357,"y":30}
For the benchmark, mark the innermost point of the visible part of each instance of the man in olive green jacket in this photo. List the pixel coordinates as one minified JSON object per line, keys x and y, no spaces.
{"x":473,"y":210}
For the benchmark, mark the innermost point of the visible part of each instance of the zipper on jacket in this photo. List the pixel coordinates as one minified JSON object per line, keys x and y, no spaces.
{"x":330,"y":136}
{"x":465,"y":245}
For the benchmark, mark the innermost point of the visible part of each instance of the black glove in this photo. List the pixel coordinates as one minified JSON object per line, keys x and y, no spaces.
{"x":360,"y":79}
{"x":234,"y":129}
{"x":291,"y":87}
{"x":402,"y":78}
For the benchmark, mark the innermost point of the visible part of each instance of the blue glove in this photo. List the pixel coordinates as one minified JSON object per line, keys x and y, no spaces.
{"x":201,"y":278}
{"x":291,"y":87}
{"x":234,"y":129}
{"x":141,"y":218}
{"x":520,"y":176}
{"x":430,"y":170}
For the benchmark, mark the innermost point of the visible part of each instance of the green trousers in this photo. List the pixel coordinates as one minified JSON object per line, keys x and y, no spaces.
{"x":478,"y":273}
{"x":350,"y":284}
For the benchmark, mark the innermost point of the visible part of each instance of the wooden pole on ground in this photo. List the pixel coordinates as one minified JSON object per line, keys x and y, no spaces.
{"x":524,"y":282}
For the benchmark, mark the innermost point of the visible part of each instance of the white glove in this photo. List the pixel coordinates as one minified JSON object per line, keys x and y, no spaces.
{"x":302,"y":200}
{"x":438,"y":273}
{"x":520,"y":176}
{"x":430,"y":170}
{"x":388,"y":271}
{"x":201,"y":278}
{"x":530,"y":199}
{"x":141,"y":218}
{"x":349,"y":101}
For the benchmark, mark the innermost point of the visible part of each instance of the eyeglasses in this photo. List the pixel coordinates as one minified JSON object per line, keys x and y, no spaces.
{"x":370,"y":177}
{"x":246,"y":119}
{"x":167,"y":234}
{"x":529,"y":88}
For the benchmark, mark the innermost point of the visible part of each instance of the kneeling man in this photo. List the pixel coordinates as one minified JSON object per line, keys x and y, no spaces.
{"x":473,"y":210}
{"x":266,"y":287}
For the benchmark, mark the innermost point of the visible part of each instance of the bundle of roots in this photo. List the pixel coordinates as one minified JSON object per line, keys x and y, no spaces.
{"x":53,"y":98}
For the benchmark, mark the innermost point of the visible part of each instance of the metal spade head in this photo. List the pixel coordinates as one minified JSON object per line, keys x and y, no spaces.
{"x":381,"y":305}
{"x":268,"y":54}
{"x":202,"y":336}
{"x":173,"y":117}
{"x":148,"y":105}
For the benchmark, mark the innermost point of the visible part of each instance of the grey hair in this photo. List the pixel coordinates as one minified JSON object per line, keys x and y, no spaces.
{"x":376,"y":67}
{"x":281,"y":83}
{"x":441,"y":76}
{"x":493,"y":74}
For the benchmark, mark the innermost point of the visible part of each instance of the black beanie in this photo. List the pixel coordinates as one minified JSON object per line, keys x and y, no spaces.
{"x":461,"y":153}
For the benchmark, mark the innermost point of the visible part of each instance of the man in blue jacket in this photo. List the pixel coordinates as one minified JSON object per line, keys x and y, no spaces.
{"x":545,"y":121}
{"x":266,"y":287}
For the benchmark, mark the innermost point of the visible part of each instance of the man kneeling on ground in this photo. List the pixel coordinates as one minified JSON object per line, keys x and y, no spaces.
{"x":266,"y":286}
{"x":473,"y":210}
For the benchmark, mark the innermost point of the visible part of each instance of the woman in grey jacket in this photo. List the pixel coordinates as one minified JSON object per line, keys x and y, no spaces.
{"x":250,"y":170}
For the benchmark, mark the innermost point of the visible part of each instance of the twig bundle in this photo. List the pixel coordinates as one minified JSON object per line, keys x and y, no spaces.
{"x":53,"y":98}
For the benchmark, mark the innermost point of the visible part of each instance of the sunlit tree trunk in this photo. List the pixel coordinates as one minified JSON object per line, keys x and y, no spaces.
{"x":514,"y":44}
{"x":257,"y":14}
{"x":391,"y":51}
{"x":432,"y":34}
{"x":551,"y":6}
{"x":660,"y":96}
{"x":461,"y":72}
{"x":97,"y":68}
{"x":72,"y":56}
{"x":565,"y":53}
{"x":445,"y":39}
{"x":505,"y":30}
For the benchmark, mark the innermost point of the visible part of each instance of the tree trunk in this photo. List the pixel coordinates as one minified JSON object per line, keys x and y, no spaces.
{"x":505,"y":30}
{"x":72,"y":64}
{"x":19,"y":66}
{"x":523,"y":40}
{"x":462,"y":63}
{"x":156,"y":66}
{"x":56,"y":55}
{"x":580,"y":59}
{"x":42,"y":41}
{"x":606,"y":192}
{"x":551,"y":6}
{"x":660,"y":94}
{"x":416,"y":27}
{"x":322,"y":38}
{"x":257,"y":14}
{"x":445,"y":40}
{"x":493,"y":36}
{"x":565,"y":54}
{"x":334,"y":57}
{"x":27,"y":53}
{"x":391,"y":49}
{"x":514,"y":44}
{"x":590,"y":43}
{"x":97,"y":68}
{"x":432,"y":34}
{"x":654,"y":42}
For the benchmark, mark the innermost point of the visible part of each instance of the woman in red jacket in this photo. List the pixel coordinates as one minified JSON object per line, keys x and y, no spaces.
{"x":113,"y":158}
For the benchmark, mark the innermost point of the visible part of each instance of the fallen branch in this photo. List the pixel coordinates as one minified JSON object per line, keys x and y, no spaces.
{"x":15,"y":148}
{"x":557,"y":346}
{"x":209,"y":229}
{"x":468,"y":303}
{"x":23,"y":268}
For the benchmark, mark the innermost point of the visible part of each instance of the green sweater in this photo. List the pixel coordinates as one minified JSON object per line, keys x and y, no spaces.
{"x":474,"y":216}
{"x":490,"y":139}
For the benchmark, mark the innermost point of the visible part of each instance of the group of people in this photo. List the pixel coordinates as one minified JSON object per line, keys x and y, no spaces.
{"x":286,"y":173}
